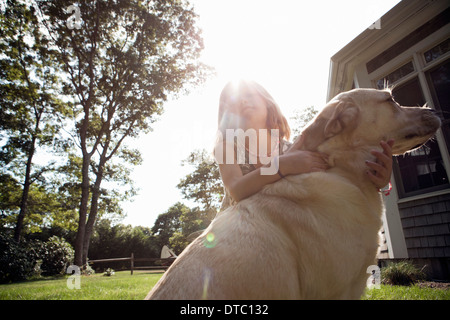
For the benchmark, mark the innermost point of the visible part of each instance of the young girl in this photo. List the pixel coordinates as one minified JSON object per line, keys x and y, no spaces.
{"x":248,"y":106}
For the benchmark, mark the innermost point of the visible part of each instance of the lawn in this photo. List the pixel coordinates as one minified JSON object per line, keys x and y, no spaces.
{"x":414,"y":292}
{"x":123,"y":286}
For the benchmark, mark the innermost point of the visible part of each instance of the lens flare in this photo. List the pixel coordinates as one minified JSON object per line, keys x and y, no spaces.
{"x":230,"y":120}
{"x":210,"y":240}
{"x":206,"y":278}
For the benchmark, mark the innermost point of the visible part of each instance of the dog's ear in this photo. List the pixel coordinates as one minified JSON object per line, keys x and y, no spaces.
{"x":336,"y":116}
{"x":344,"y":116}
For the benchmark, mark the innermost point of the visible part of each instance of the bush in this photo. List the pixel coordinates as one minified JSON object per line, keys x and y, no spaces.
{"x":17,"y":260}
{"x":20,"y":261}
{"x":88,"y":271}
{"x":402,"y":273}
{"x":56,"y":255}
{"x":109,"y":272}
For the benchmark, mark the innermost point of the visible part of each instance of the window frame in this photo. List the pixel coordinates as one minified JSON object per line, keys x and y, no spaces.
{"x":416,"y":55}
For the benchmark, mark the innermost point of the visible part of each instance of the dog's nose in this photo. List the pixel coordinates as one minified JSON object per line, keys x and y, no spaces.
{"x":431,"y":119}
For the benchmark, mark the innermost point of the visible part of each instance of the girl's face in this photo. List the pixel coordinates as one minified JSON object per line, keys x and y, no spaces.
{"x":251,"y":109}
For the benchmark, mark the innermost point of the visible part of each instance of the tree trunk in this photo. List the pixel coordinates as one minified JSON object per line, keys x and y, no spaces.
{"x":79,"y":241}
{"x":93,"y":210}
{"x":26,"y":191}
{"x":32,"y":148}
{"x":85,"y":182}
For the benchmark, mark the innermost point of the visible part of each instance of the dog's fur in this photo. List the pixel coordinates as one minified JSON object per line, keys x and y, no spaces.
{"x":308,"y":236}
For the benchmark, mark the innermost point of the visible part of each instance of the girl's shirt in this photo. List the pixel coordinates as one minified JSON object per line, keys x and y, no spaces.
{"x":246,"y":168}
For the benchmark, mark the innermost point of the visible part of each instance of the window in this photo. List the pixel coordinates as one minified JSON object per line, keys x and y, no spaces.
{"x":439,"y":82}
{"x":423,"y":169}
{"x":409,"y":94}
{"x":421,"y":77}
{"x":437,"y":51}
{"x":398,"y":74}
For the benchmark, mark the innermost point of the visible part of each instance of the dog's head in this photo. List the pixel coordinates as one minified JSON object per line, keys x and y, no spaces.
{"x":364,"y":117}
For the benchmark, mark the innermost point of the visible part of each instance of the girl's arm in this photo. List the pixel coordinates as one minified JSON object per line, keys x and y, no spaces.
{"x":242,"y":186}
{"x":294,"y":162}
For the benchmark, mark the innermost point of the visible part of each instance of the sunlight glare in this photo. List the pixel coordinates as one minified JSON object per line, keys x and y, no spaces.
{"x":284,"y":45}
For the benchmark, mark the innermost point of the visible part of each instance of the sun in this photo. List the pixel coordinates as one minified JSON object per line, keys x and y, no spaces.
{"x":238,"y":38}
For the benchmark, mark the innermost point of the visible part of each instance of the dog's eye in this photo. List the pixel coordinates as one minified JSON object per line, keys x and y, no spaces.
{"x":391,"y":100}
{"x":395,"y":106}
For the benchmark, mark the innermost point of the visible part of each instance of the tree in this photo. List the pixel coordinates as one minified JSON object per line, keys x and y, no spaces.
{"x":302,"y":118}
{"x":67,"y":181}
{"x":121,"y":65}
{"x":42,"y":203}
{"x":118,"y":240}
{"x":30,"y":104}
{"x":192,"y":222}
{"x":204,"y":184}
{"x":175,"y":225}
{"x":168,"y":223}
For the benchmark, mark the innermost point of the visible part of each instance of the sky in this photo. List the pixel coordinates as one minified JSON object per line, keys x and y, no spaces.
{"x":285,"y":45}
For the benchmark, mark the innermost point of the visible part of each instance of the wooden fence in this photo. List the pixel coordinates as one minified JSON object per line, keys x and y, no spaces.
{"x":165,"y":262}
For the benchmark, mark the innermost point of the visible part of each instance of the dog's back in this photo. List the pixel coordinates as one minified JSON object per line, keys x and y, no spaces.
{"x":310,"y":236}
{"x":280,"y":244}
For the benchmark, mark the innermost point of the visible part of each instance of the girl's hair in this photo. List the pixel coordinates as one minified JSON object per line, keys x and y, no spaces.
{"x":275,"y":119}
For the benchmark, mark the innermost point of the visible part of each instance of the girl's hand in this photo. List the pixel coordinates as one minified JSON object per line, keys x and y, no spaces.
{"x":300,"y":161}
{"x":380,"y":173}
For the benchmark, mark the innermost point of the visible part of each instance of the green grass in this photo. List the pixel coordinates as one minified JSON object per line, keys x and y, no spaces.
{"x":413,"y":292}
{"x":121,"y":286}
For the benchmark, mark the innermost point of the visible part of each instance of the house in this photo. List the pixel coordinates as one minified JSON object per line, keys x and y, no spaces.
{"x":409,"y":47}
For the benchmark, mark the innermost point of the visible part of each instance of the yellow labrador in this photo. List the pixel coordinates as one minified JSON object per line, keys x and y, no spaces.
{"x":309,"y":236}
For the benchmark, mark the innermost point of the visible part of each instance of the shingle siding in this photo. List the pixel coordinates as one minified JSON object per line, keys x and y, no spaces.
{"x":426,"y":226}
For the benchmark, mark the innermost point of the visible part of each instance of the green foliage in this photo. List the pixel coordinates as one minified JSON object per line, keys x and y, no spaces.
{"x":177,"y":242}
{"x":31,"y":109}
{"x":168,"y":223}
{"x":119,"y":241}
{"x":413,"y":292}
{"x":17,"y":261}
{"x":402,"y":273}
{"x":46,"y":206}
{"x":102,"y":84}
{"x":204,"y":184}
{"x":109,"y":272}
{"x":301,"y":118}
{"x":56,"y":255}
{"x":10,"y":195}
{"x":174,"y":226}
{"x":120,"y":66}
{"x":88,"y":270}
{"x":20,"y":261}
